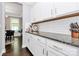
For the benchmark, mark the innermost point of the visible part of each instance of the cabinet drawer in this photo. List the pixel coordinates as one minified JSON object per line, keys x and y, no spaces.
{"x":64,"y":48}
{"x":42,"y":40}
{"x":52,"y":52}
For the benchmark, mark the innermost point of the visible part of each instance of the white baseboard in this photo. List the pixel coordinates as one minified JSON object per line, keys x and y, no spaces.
{"x":3,"y":51}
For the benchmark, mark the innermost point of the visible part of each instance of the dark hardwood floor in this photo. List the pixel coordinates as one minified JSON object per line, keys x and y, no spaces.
{"x":15,"y":49}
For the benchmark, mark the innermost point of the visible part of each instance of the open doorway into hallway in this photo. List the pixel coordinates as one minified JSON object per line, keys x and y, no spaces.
{"x":13,"y":28}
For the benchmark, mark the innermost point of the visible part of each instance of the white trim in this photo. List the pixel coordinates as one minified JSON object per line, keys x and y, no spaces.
{"x":3,"y":51}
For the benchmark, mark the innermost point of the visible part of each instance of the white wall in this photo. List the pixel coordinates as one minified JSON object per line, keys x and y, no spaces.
{"x":2,"y":29}
{"x":41,"y":10}
{"x":44,"y":10}
{"x":26,"y":21}
{"x":13,"y":9}
{"x":59,"y":26}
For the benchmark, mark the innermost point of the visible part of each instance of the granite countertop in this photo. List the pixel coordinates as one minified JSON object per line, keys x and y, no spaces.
{"x":63,"y":38}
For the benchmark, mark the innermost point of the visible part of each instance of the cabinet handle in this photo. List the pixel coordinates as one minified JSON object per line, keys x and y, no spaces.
{"x":47,"y":53}
{"x":43,"y":51}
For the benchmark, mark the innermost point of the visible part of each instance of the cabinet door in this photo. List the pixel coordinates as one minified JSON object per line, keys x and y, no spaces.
{"x":29,"y":42}
{"x":41,"y":46}
{"x":42,"y":11}
{"x":25,"y":40}
{"x":46,"y":10}
{"x":38,"y":48}
{"x":41,"y":50}
{"x":64,"y":7}
{"x":28,"y":38}
{"x":33,"y":45}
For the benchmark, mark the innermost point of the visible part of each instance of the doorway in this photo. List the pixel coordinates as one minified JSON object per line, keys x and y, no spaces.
{"x":13,"y":27}
{"x":13,"y":24}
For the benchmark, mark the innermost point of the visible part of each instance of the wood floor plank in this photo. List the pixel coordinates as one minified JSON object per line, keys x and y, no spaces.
{"x":15,"y":49}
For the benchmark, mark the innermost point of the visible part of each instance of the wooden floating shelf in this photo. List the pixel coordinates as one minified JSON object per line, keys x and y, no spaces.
{"x":72,"y":14}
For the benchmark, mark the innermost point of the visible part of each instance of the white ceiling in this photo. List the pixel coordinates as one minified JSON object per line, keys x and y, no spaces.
{"x":13,"y":9}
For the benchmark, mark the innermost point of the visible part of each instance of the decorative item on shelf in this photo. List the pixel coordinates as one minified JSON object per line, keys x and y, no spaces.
{"x":35,"y":28}
{"x":74,"y":28}
{"x":30,"y":28}
{"x":27,"y":29}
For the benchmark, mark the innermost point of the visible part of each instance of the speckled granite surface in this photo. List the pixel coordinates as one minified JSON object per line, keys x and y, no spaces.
{"x":66,"y":39}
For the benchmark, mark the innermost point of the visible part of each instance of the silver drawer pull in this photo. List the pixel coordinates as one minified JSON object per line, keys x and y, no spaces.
{"x":43,"y":51}
{"x":47,"y":53}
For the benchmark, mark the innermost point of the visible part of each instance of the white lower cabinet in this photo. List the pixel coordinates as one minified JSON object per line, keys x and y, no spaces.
{"x":41,"y":50}
{"x":26,"y":40}
{"x":32,"y":46}
{"x":37,"y":46}
{"x":52,"y":52}
{"x":64,"y":49}
{"x":29,"y":43}
{"x":40,"y":46}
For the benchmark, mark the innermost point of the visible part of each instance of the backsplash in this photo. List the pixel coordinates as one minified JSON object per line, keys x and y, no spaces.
{"x":59,"y":26}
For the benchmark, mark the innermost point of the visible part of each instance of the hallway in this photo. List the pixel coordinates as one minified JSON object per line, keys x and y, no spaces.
{"x":15,"y":49}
